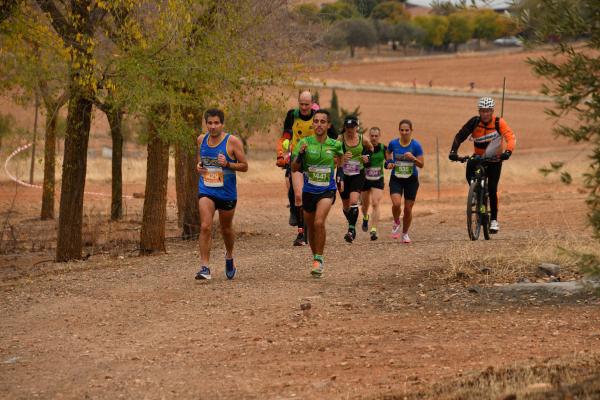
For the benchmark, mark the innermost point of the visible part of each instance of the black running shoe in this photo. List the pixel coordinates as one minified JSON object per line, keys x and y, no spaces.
{"x":230,"y":268}
{"x":299,"y":241}
{"x":365,"y":224}
{"x":349,"y":237}
{"x":374,"y":235}
{"x":203,"y":274}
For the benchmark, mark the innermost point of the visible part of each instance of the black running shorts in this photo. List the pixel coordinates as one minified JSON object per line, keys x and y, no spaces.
{"x":378,"y":184}
{"x":220,"y":204}
{"x":310,"y":200}
{"x":405,"y":186}
{"x":353,"y":183}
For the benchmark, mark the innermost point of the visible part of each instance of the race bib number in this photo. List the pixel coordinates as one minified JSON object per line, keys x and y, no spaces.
{"x":213,"y":177}
{"x":404,"y":169}
{"x":373,"y":173}
{"x":352,"y":167}
{"x":319,"y":176}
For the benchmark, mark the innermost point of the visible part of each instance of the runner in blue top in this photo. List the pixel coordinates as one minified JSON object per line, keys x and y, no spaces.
{"x":403,"y":156}
{"x":220,"y":155}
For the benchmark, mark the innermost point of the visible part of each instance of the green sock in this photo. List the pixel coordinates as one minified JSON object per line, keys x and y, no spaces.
{"x":318,"y":257}
{"x":366,"y":217}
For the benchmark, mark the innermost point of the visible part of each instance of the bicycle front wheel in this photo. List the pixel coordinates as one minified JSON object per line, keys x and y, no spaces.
{"x":473,"y":216}
{"x":485,"y":215}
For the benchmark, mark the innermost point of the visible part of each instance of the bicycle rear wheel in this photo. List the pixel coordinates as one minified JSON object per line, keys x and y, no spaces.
{"x":473,"y":217}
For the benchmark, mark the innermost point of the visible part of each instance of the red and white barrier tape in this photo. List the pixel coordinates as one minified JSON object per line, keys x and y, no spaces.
{"x":20,"y":182}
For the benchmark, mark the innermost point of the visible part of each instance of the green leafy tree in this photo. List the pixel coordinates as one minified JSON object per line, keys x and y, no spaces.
{"x":573,"y":80}
{"x":488,"y":25}
{"x":308,"y":13}
{"x":7,"y":123}
{"x":251,"y":116}
{"x":334,"y":110}
{"x":355,"y":32}
{"x":338,"y":11}
{"x":364,"y":7}
{"x":460,"y":29}
{"x":435,"y":28}
{"x":391,"y":11}
{"x":34,"y":63}
{"x":406,"y":33}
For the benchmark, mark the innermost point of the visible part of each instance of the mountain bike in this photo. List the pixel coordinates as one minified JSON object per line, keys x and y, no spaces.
{"x":478,"y":199}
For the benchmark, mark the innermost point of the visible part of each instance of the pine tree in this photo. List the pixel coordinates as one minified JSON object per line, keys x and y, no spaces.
{"x":334,"y":110}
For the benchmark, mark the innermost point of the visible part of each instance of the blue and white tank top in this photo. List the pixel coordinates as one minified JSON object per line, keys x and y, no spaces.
{"x":218,"y":182}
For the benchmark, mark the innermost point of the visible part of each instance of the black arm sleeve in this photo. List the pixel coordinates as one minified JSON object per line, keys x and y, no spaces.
{"x":288,"y":124}
{"x":464,"y":133}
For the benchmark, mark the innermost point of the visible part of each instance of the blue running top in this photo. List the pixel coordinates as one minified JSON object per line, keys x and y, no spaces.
{"x":218,"y":182}
{"x":404,"y":168}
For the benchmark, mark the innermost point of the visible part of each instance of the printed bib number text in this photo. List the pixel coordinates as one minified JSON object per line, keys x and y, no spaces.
{"x":404,"y":169}
{"x":319,"y":176}
{"x":213,"y":177}
{"x":373,"y":173}
{"x":352,"y":167}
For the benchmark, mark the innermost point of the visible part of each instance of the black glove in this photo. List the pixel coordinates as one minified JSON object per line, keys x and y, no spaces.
{"x":453,"y":156}
{"x":339,"y":175}
{"x":505,"y":155}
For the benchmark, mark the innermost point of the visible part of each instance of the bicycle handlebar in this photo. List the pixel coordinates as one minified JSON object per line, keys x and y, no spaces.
{"x":478,"y":158}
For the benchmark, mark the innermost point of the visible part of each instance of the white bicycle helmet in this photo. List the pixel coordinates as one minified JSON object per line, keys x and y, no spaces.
{"x":486,"y":102}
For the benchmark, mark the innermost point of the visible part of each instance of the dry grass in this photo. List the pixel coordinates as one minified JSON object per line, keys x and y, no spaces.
{"x":577,"y":377}
{"x":462,"y":263}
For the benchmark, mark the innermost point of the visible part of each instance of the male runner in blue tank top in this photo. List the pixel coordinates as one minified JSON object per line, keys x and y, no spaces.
{"x":220,"y":155}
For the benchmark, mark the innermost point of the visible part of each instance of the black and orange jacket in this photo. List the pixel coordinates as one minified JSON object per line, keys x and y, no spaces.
{"x":488,"y":139}
{"x":297,"y":126}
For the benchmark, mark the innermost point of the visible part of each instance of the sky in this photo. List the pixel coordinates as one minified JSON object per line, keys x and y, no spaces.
{"x":493,"y":2}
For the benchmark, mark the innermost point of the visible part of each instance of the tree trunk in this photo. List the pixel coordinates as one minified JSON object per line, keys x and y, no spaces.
{"x":152,"y":238}
{"x":115,"y":120}
{"x":191,"y":213}
{"x":351,"y":51}
{"x":69,"y":243}
{"x":187,"y":191}
{"x":49,"y":161}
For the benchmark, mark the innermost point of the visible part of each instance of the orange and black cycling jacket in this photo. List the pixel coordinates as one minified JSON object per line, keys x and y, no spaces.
{"x":488,"y":139}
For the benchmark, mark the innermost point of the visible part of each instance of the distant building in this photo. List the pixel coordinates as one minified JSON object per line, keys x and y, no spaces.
{"x":420,"y":7}
{"x":415,"y":9}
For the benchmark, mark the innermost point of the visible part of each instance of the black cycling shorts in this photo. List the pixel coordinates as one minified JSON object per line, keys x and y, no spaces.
{"x":352,"y":183}
{"x":378,"y":184}
{"x":405,"y":186}
{"x":220,"y":204}
{"x":310,"y":200}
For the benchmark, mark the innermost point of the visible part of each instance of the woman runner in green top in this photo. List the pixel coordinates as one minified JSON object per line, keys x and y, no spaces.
{"x":356,"y":154}
{"x":372,"y":190}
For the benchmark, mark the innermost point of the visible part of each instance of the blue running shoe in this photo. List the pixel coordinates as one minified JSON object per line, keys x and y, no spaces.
{"x":204,"y":273}
{"x":229,"y":268}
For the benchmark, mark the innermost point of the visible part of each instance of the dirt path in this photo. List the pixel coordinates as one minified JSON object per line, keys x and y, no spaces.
{"x":379,"y":323}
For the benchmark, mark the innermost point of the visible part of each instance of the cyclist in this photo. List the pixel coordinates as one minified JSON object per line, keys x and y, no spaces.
{"x":297,"y":125}
{"x":220,"y":155}
{"x":403,"y":156}
{"x":372,"y":190}
{"x":491,"y":137}
{"x":316,"y":158}
{"x":357,"y":150}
